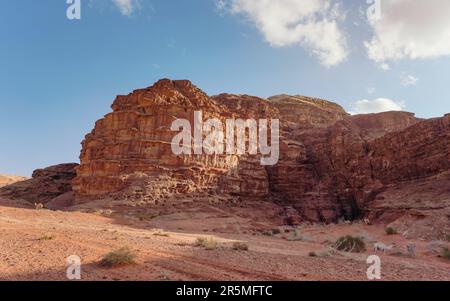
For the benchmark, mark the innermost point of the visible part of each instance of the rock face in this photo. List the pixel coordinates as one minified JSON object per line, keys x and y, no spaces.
{"x":49,"y":186}
{"x":332,"y":165}
{"x":129,"y":153}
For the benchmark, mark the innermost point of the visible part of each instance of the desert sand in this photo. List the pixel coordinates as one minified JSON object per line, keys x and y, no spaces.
{"x":34,"y":245}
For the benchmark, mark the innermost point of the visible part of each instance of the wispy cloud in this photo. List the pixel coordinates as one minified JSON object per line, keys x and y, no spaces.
{"x":408,"y":80}
{"x":127,"y":7}
{"x":312,"y":24}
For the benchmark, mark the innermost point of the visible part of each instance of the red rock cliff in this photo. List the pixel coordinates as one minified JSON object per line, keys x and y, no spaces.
{"x":331,"y":164}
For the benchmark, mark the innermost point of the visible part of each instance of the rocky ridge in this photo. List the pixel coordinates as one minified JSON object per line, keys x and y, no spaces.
{"x":390,"y":167}
{"x":332,"y":165}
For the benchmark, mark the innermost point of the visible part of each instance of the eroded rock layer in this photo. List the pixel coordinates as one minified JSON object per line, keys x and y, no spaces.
{"x":51,"y":186}
{"x":331,"y":165}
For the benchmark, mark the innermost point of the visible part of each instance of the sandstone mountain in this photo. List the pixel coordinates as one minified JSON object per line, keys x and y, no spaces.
{"x":390,"y":167}
{"x":51,"y":186}
{"x":8,"y":180}
{"x":333,"y":165}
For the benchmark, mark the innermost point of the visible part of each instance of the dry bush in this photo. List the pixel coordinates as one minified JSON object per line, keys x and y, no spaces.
{"x":350,"y":244}
{"x":297,"y":236}
{"x":446,"y":253}
{"x":119,"y":257}
{"x":390,"y":231}
{"x":209,"y":243}
{"x":46,"y":237}
{"x":240,"y":246}
{"x":161,"y":233}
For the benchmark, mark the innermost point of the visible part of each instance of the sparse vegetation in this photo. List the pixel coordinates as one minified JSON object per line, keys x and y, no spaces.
{"x":276,"y":231}
{"x":350,"y":244}
{"x":209,"y":243}
{"x":147,"y":216}
{"x":390,"y":231}
{"x":271,"y":232}
{"x":297,"y":236}
{"x":312,"y":254}
{"x":46,"y":237}
{"x":446,"y":253}
{"x":161,"y":233}
{"x":240,"y":246}
{"x":447,"y":237}
{"x":119,"y":257}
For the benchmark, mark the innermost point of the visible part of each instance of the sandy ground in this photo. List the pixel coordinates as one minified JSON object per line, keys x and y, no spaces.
{"x":34,"y":245}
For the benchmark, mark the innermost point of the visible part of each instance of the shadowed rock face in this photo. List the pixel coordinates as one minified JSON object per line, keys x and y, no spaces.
{"x":331,"y":164}
{"x":49,"y":186}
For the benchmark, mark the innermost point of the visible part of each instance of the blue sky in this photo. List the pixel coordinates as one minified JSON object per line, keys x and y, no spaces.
{"x":58,"y":76}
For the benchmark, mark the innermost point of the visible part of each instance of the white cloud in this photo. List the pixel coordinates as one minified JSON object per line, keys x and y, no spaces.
{"x":371,"y":90}
{"x":313,"y":24}
{"x":408,"y":80}
{"x":410,"y":29}
{"x":385,"y":67}
{"x":376,"y":106}
{"x":127,"y":7}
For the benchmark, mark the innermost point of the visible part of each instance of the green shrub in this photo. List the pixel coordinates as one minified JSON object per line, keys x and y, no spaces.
{"x":208,"y":243}
{"x":120,"y":257}
{"x":446,"y":253}
{"x":390,"y":231}
{"x":350,"y":244}
{"x":240,"y":246}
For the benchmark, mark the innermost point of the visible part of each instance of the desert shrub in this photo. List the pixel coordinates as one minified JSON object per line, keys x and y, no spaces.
{"x":390,"y":231}
{"x":119,"y":257}
{"x":446,"y":253}
{"x":276,"y":231}
{"x":267,"y":233}
{"x":312,"y":254}
{"x":46,"y":237}
{"x":240,"y":246}
{"x":350,"y":244}
{"x":147,"y":216}
{"x":161,"y":233}
{"x":208,"y":243}
{"x":297,"y":236}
